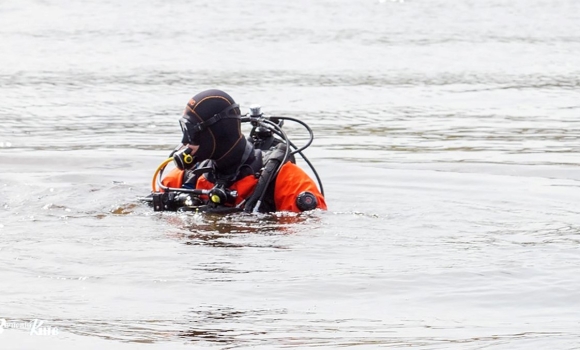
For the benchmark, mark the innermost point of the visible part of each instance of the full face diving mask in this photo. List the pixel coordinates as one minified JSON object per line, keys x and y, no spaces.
{"x":191,"y":129}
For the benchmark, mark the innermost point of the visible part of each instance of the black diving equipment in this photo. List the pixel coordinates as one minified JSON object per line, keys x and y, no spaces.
{"x":306,"y":201}
{"x":266,"y":134}
{"x":183,"y":159}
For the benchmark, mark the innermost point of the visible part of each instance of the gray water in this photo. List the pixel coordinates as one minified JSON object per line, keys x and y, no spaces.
{"x":446,"y":137}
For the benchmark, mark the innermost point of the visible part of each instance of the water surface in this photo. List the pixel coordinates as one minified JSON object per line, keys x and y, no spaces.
{"x":446,"y":137}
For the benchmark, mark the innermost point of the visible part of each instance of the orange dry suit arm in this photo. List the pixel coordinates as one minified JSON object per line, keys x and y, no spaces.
{"x":290,"y":183}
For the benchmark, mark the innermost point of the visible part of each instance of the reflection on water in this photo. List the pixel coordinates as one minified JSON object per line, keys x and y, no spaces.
{"x":227,"y":231}
{"x":210,"y":324}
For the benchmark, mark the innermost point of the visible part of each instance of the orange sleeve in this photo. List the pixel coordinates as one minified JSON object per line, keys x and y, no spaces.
{"x":292,"y":181}
{"x":173,"y":179}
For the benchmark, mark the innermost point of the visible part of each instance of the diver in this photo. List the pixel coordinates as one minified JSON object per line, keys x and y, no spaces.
{"x":219,"y":166}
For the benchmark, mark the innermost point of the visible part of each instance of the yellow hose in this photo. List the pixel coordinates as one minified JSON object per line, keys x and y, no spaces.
{"x":161,"y":167}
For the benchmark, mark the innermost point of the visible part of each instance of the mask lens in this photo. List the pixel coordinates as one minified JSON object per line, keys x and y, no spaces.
{"x":189,"y":136}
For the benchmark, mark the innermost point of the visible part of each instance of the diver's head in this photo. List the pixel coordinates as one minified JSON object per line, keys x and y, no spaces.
{"x":211,"y":127}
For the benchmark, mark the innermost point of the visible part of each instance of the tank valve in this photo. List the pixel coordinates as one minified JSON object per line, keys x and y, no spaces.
{"x":255,"y":111}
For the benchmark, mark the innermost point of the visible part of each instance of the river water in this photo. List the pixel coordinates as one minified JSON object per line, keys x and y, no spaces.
{"x":446,"y":137}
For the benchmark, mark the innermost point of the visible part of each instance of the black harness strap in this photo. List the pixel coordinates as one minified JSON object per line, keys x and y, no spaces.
{"x":217,"y":117}
{"x":275,"y":158}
